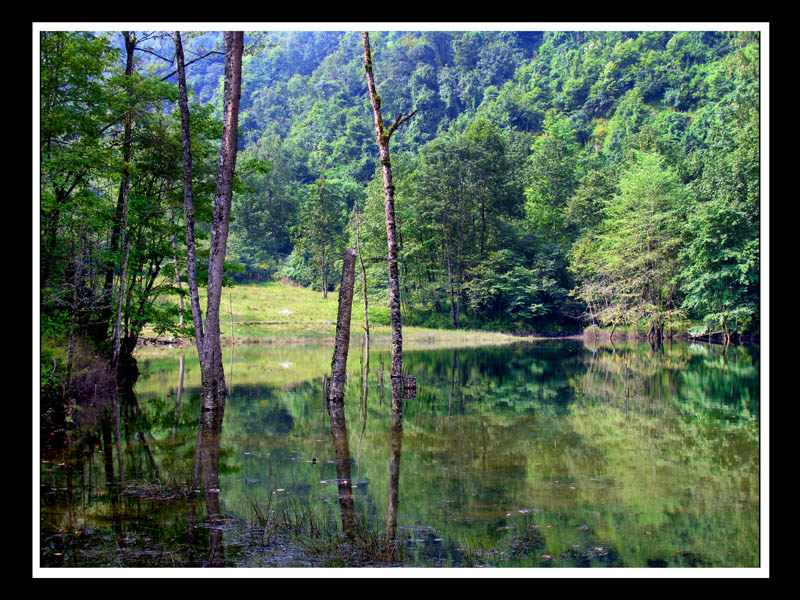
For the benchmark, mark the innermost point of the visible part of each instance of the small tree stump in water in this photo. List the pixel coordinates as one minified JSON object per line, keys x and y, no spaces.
{"x":335,"y":392}
{"x":339,"y":362}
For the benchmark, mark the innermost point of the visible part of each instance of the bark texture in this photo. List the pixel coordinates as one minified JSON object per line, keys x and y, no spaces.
{"x":342,"y":344}
{"x":213,"y":374}
{"x":383,"y":136}
{"x":209,"y":349}
{"x":188,"y":196}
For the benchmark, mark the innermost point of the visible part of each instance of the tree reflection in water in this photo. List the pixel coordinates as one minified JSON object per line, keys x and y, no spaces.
{"x":395,"y":445}
{"x":207,"y":456}
{"x":340,"y":444}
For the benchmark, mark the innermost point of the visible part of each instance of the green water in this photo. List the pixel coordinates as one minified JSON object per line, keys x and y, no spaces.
{"x":546,"y":454}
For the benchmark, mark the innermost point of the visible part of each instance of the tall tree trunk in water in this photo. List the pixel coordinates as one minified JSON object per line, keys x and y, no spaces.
{"x":383,"y":135}
{"x":396,"y":366}
{"x":208,"y":342}
{"x":213,"y":374}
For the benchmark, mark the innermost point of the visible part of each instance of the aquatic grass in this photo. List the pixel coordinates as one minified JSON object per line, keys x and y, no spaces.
{"x":320,"y":538}
{"x":167,"y":487}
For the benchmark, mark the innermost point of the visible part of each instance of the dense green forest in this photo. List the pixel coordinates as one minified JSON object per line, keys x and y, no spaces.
{"x":549,"y":181}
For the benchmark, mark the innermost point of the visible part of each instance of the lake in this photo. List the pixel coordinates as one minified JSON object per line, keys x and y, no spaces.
{"x":547,"y":454}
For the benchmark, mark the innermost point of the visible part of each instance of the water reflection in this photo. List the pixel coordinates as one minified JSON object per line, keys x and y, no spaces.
{"x":395,"y":448}
{"x":591,"y":455}
{"x":342,"y":449}
{"x":207,"y":458}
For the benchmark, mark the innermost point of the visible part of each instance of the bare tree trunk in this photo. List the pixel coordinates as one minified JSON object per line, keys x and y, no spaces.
{"x":213,"y":375}
{"x":336,"y":389}
{"x":396,"y":365}
{"x":342,"y":345}
{"x":188,"y":197}
{"x":178,"y":281}
{"x":363,"y":279}
{"x":383,"y":136}
{"x":208,"y":342}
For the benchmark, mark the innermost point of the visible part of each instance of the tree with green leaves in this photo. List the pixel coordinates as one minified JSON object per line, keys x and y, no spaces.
{"x":627,"y":266}
{"x":265,"y":209}
{"x":553,"y":174}
{"x":319,"y":231}
{"x":720,"y":260}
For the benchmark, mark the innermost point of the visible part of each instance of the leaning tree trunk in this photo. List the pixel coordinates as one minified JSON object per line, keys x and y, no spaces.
{"x":383,"y":135}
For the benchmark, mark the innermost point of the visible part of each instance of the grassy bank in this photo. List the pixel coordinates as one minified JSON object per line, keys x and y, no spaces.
{"x":281,"y":313}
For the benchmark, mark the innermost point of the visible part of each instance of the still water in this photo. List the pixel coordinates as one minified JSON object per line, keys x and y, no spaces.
{"x":546,"y":454}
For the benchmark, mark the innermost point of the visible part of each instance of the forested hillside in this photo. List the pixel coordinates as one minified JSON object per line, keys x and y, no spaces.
{"x":548,"y":181}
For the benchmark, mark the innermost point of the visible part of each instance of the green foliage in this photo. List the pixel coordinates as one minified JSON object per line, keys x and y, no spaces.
{"x":89,"y":228}
{"x":632,"y":255}
{"x":504,"y":178}
{"x":319,"y":233}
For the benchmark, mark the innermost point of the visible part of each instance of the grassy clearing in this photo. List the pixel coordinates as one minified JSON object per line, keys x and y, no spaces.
{"x":280,"y":313}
